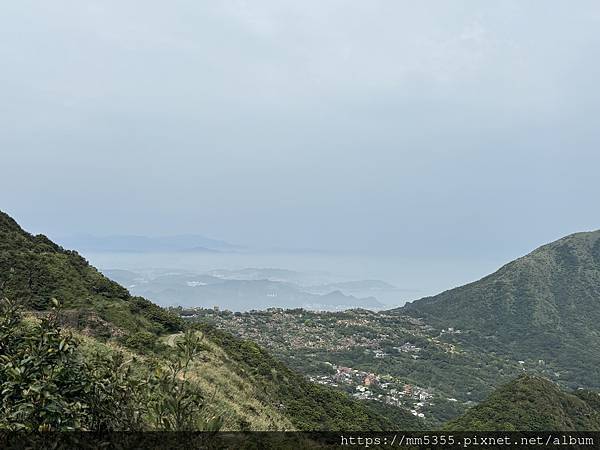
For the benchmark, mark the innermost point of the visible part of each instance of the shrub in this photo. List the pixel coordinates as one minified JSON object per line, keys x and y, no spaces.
{"x":48,"y":383}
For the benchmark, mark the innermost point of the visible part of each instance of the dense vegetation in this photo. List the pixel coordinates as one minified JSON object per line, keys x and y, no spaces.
{"x":33,"y":270}
{"x":542,"y":307}
{"x":112,"y":361}
{"x":48,"y":382}
{"x":311,"y":342}
{"x":532,"y":404}
{"x":308,"y":405}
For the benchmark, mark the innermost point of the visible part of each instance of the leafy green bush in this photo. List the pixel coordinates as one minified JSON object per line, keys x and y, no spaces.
{"x":142,"y":341}
{"x":47,"y":383}
{"x":178,"y":406}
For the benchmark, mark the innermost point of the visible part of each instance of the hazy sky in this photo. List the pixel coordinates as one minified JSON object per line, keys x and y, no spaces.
{"x":455,"y":128}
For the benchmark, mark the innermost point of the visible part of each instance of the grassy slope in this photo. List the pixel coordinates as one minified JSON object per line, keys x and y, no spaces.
{"x":227,"y":394}
{"x":249,"y":389}
{"x":532,"y":404}
{"x":308,"y":405}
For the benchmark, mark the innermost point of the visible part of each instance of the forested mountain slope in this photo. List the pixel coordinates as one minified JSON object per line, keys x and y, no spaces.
{"x":532,"y":404}
{"x":33,"y":270}
{"x":544,"y":306}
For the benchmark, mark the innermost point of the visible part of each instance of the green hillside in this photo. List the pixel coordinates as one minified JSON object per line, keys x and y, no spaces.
{"x":64,"y":369}
{"x":532,"y":404}
{"x":543,"y":307}
{"x":33,"y":270}
{"x":307,"y":405}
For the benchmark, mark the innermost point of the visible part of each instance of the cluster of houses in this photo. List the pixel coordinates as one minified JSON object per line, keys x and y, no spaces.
{"x":288,"y":331}
{"x":291,"y":329}
{"x":408,"y":348}
{"x":404,"y":348}
{"x":451,"y":330}
{"x":369,"y":386}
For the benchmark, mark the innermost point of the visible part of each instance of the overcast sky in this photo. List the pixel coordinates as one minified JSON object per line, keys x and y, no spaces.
{"x":407,"y":127}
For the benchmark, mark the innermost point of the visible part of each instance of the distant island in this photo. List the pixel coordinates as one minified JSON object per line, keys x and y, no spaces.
{"x":145,"y":244}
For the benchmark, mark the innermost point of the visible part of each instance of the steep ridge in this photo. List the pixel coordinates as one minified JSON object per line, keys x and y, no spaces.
{"x":532,"y":404}
{"x":33,"y":270}
{"x":544,"y":306}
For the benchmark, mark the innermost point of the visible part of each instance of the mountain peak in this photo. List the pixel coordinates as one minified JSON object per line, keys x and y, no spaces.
{"x":7,"y":223}
{"x":542,"y":306}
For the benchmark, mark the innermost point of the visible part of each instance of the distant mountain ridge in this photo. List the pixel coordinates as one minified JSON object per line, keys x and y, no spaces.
{"x":235,"y":293}
{"x":544,"y":306}
{"x":144,"y":244}
{"x":273,"y":274}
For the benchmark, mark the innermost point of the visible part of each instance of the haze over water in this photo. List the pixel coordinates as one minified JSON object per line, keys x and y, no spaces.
{"x":415,"y":277}
{"x":455,"y":129}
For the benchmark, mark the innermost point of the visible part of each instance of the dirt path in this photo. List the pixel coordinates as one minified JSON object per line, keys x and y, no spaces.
{"x":170,"y":340}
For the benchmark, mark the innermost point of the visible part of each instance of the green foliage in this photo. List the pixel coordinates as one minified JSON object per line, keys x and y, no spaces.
{"x":116,"y":397}
{"x":142,"y":341}
{"x":33,"y":270}
{"x":543,"y":306}
{"x":309,"y":406}
{"x":42,"y":381}
{"x":179,"y":406}
{"x":167,"y":321}
{"x":532,"y":404}
{"x":48,"y":384}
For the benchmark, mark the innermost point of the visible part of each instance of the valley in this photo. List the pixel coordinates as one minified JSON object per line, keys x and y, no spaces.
{"x":390,"y":358}
{"x":537,"y":314}
{"x":223,"y":381}
{"x":427,"y":365}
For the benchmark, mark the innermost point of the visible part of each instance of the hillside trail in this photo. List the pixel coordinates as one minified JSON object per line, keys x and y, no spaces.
{"x":170,"y":340}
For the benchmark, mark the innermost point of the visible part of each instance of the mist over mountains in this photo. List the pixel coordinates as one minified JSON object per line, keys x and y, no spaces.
{"x":145,"y":244}
{"x":252,"y":289}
